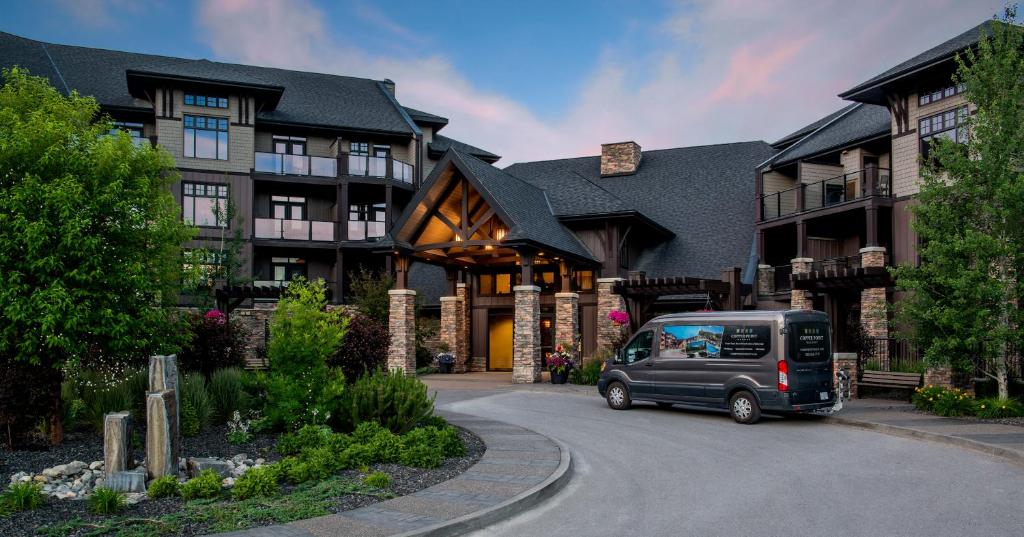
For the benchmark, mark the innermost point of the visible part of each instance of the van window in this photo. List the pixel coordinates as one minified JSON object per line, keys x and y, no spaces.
{"x":715,"y":341}
{"x":639,"y":348}
{"x":809,"y":342}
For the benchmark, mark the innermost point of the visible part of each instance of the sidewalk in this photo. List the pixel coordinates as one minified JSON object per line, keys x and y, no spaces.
{"x":895,"y":417}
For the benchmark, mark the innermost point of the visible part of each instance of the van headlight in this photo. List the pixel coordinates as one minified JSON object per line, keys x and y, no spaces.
{"x":603,"y":365}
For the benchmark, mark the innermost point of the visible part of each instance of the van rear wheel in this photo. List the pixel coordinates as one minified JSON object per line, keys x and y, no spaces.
{"x":744,"y":409}
{"x":618,"y":396}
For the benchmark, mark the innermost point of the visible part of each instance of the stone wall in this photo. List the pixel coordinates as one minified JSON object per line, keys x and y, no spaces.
{"x":607,"y":300}
{"x":465,"y":336}
{"x":621,"y":158}
{"x":526,"y":362}
{"x":873,"y":307}
{"x":938,"y":376}
{"x":849,"y":362}
{"x":800,"y":299}
{"x":765,"y":279}
{"x":567,"y":318}
{"x":402,"y":330}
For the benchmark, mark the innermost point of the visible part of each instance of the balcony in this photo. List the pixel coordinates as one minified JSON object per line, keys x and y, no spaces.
{"x":370,"y":166}
{"x":280,"y":164}
{"x":359,"y":230}
{"x":297,"y":230}
{"x":825,"y":193}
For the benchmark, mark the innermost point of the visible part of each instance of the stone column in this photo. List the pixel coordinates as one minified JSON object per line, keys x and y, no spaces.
{"x":526,"y":363}
{"x":163,"y":375}
{"x":462,"y":358}
{"x":567,"y":318}
{"x":402,"y":328}
{"x":161,"y":434}
{"x":117,"y":442}
{"x":800,"y":299}
{"x":847,"y":361}
{"x":938,"y":376}
{"x":873,"y":308}
{"x":765,"y":279}
{"x":607,"y":300}
{"x":451,"y":333}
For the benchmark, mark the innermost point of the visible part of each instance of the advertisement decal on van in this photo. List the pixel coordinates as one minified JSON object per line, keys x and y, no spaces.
{"x":715,"y":341}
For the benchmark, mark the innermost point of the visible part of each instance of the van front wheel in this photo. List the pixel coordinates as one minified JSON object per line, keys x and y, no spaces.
{"x":744,"y":409}
{"x":618,"y":396}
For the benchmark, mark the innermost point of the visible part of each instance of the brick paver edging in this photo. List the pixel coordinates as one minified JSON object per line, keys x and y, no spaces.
{"x":520,"y":469}
{"x":1010,"y":455}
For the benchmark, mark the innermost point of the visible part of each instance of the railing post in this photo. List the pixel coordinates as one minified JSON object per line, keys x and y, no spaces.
{"x":870,"y":172}
{"x":389,"y":168}
{"x":800,"y":198}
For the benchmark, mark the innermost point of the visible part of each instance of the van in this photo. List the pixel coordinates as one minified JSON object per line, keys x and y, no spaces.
{"x":743,"y":361}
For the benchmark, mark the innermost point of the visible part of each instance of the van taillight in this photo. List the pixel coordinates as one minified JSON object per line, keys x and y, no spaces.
{"x":783,"y":376}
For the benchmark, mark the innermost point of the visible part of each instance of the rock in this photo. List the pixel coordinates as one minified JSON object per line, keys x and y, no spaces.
{"x":99,"y":482}
{"x":133,"y":498}
{"x":40,"y":478}
{"x":117,"y":442}
{"x":163,"y":375}
{"x":126,"y":481}
{"x":96,"y":465}
{"x":15,"y":477}
{"x":198,"y":464}
{"x":63,"y":488}
{"x":239,"y":470}
{"x":261,"y":461}
{"x":77,"y":485}
{"x":25,"y":479}
{"x":228,"y":482}
{"x":87,"y":478}
{"x":75,"y":467}
{"x":55,"y":471}
{"x":239,"y":459}
{"x":65,"y":495}
{"x":161,"y":433}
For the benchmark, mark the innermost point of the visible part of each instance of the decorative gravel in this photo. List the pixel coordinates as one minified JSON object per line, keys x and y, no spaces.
{"x":405,"y":480}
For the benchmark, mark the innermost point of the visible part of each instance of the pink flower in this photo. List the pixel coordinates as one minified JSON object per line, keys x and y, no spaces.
{"x":215,"y":316}
{"x":618,"y":317}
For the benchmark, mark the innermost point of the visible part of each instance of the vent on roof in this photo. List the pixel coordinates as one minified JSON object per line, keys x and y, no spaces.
{"x":390,"y":85}
{"x":622,"y":158}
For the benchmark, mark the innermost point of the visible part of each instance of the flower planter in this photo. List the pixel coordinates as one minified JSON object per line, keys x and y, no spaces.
{"x":559,"y":378}
{"x":445,"y":367}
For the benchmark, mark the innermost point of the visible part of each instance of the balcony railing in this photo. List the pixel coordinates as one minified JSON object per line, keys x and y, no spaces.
{"x":299,"y":230}
{"x":834,"y":190}
{"x":280,"y":164}
{"x":371,"y":166}
{"x":359,"y":230}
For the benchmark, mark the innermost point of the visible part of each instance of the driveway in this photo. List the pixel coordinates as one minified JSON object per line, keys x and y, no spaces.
{"x":651,"y":472}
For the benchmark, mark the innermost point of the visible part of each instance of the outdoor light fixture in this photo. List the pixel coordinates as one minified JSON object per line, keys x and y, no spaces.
{"x":499,"y":233}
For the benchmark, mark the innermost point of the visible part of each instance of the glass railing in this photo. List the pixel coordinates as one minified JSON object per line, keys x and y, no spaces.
{"x":299,"y":230}
{"x":281,"y":164}
{"x":359,"y":230}
{"x":832,"y":191}
{"x":371,"y":166}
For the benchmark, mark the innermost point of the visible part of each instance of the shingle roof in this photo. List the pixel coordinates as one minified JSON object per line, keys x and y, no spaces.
{"x":316,"y":99}
{"x":441,"y":144}
{"x":807,"y":129}
{"x":426,"y":117}
{"x":857,"y":123}
{"x":868,"y":91}
{"x":704,"y":195}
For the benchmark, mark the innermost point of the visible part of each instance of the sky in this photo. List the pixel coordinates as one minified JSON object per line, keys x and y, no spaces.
{"x":534,"y":80}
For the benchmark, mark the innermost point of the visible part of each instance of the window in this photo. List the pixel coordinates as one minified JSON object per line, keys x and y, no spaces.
{"x":545,"y":280}
{"x":204,"y":205}
{"x":583,"y":280}
{"x":366,"y":221}
{"x":359,"y":148}
{"x":200,"y":266}
{"x":931,"y":96}
{"x":948,"y":124}
{"x":289,"y":145}
{"x":288,"y":207}
{"x":381,"y":150}
{"x":133,"y":129}
{"x":206,"y":100}
{"x":499,"y":283}
{"x":286,"y":269}
{"x":206,"y":137}
{"x":639,"y":348}
{"x":749,"y":341}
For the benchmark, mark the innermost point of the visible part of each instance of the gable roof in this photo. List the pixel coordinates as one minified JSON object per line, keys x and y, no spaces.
{"x":856,"y":123}
{"x":420,"y":116}
{"x":441,"y":144}
{"x":871,"y":90}
{"x":310,"y":99}
{"x":703,"y":195}
{"x":795,"y":136}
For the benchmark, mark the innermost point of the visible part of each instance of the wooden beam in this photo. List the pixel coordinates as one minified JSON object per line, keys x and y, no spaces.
{"x":453,"y":244}
{"x":448,"y":189}
{"x":479,"y":222}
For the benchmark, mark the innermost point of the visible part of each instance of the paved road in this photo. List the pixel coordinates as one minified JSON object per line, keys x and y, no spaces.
{"x":653,"y":472}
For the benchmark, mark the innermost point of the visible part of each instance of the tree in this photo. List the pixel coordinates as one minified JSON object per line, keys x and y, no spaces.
{"x":90,"y":235}
{"x":370,"y":293}
{"x":964,"y":299}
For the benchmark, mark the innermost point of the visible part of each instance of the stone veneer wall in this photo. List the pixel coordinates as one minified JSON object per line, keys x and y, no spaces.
{"x":465,"y":336}
{"x":873,"y":307}
{"x":765,"y":279}
{"x":451,"y":330}
{"x":620,"y":158}
{"x":567,"y":318}
{"x":607,"y":300}
{"x":526,"y":363}
{"x":402,"y":330}
{"x":849,"y":362}
{"x":800,"y":299}
{"x":255,"y":321}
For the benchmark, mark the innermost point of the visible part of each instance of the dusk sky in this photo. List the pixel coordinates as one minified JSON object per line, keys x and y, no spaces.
{"x":535,"y":80}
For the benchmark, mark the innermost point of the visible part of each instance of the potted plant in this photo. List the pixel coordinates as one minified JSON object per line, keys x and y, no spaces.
{"x":560,"y":363}
{"x":620,"y":320}
{"x":445,"y":358}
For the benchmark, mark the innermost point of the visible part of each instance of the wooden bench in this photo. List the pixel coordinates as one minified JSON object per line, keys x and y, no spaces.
{"x":891,"y":380}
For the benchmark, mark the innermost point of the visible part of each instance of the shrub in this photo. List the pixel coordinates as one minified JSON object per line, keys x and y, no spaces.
{"x":370,"y":293}
{"x":306,"y":398}
{"x":953,"y":403}
{"x":256,"y":483}
{"x":215,"y":344}
{"x":365,"y":431}
{"x":308,"y":437}
{"x":378,"y":480}
{"x":103,"y":392}
{"x":392,"y":399}
{"x":227,"y":393}
{"x":587,"y":374}
{"x":204,"y":485}
{"x":22,"y":496}
{"x":295,"y":470}
{"x":386,"y":446}
{"x":993,"y":407}
{"x":421,"y":456}
{"x":426,"y":329}
{"x":196,"y":408}
{"x":433,"y":421}
{"x":926,"y":397}
{"x":365,"y":347}
{"x":104,"y":501}
{"x":238,"y":429}
{"x":303,"y":334}
{"x":357,"y":455}
{"x":450,"y":443}
{"x":163,"y":487}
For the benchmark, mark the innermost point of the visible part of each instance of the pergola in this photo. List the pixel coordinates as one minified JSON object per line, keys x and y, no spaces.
{"x":641,"y":293}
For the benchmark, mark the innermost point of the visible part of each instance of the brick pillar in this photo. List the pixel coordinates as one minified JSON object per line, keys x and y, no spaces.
{"x":526,"y":335}
{"x":849,"y":362}
{"x":800,"y":299}
{"x":453,"y":329}
{"x":765,"y":279}
{"x":938,"y":376}
{"x":567,"y":318}
{"x":607,"y":300}
{"x":402,"y":328}
{"x":462,"y":358}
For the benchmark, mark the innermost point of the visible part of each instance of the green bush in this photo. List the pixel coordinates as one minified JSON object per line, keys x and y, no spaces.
{"x":164,"y":487}
{"x":196,"y":408}
{"x":104,"y":501}
{"x":926,"y":397}
{"x":204,"y":485}
{"x":227,"y":393}
{"x":357,"y":455}
{"x":433,"y":421}
{"x":90,"y":395}
{"x":295,"y":470}
{"x":293,"y":401}
{"x":587,"y":374}
{"x":450,"y":443}
{"x":993,"y":407}
{"x":256,"y":483}
{"x":22,"y":496}
{"x":378,"y":480}
{"x":953,"y":403}
{"x":389,"y":398}
{"x":309,"y":436}
{"x":303,"y":334}
{"x":422,"y":456}
{"x":386,"y":446}
{"x":366,"y":431}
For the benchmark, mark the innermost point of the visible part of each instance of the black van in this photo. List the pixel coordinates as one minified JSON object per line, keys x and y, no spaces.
{"x":745,"y":361}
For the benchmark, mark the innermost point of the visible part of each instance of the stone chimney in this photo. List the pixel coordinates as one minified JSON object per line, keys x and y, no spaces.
{"x":621,"y":158}
{"x":389,"y":85}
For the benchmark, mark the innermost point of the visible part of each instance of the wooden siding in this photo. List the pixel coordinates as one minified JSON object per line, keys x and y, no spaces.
{"x":903,"y":237}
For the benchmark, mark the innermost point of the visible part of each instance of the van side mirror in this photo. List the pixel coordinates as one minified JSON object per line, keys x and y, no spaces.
{"x":642,"y":354}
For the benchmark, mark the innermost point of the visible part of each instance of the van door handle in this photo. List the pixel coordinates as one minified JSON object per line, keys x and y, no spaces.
{"x":648,"y":364}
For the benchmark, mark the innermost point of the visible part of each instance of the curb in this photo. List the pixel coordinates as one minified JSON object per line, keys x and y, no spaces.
{"x":510,"y":507}
{"x":1012,"y":456}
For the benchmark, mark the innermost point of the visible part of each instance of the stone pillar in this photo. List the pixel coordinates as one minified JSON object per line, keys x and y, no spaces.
{"x":402,"y":328}
{"x":117,"y":442}
{"x":607,"y":300}
{"x":800,"y":299}
{"x":873,"y":307}
{"x":451,"y":330}
{"x":462,"y":359}
{"x":939,"y":376}
{"x":161,"y":434}
{"x":567,"y":318}
{"x":765,"y":279}
{"x":849,"y":362}
{"x":526,"y":362}
{"x":163,"y":375}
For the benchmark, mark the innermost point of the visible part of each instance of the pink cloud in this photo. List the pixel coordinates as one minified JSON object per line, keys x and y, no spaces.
{"x":756,"y":69}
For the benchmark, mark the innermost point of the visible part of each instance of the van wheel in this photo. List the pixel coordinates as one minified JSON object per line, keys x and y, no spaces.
{"x":743,"y":408}
{"x":618,"y":396}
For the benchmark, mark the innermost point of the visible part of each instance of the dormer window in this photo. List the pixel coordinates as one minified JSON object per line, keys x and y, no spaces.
{"x":208,"y":101}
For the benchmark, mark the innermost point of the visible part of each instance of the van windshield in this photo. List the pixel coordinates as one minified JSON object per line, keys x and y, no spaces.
{"x":809,"y":342}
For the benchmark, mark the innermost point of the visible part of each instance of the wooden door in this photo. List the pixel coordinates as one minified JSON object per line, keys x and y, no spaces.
{"x":500,"y":342}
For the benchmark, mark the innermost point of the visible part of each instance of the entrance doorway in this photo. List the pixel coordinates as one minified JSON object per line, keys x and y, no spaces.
{"x":499,"y":343}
